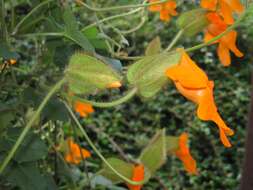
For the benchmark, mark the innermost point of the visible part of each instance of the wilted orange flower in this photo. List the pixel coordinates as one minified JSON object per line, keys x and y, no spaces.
{"x":138,"y":175}
{"x":224,"y":7}
{"x":183,"y":153}
{"x":193,"y":83}
{"x":75,"y":153}
{"x":166,"y":9}
{"x":83,"y":108}
{"x":227,"y":43}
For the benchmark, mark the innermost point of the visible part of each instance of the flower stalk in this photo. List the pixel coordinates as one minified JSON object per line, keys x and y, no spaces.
{"x":114,"y":103}
{"x":97,"y":151}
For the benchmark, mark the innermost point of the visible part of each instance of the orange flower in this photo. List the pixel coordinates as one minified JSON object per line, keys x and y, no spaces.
{"x":193,"y":83}
{"x":183,"y":153}
{"x":75,"y":153}
{"x":227,"y":43}
{"x":83,"y":108}
{"x":138,"y":175}
{"x":224,"y":7}
{"x":166,"y":9}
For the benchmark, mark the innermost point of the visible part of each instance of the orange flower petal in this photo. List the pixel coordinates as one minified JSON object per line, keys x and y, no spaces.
{"x":217,"y":25}
{"x":83,"y":108}
{"x":187,"y":73}
{"x":164,"y":15}
{"x":75,"y":153}
{"x":183,"y":153}
{"x":236,"y":6}
{"x":166,"y":9}
{"x":202,"y":96}
{"x":171,"y":6}
{"x":209,"y":37}
{"x":226,"y":12}
{"x":138,"y":175}
{"x":154,"y":8}
{"x":224,"y":55}
{"x":207,"y":110}
{"x":229,"y":40}
{"x":224,"y":138}
{"x":209,"y":4}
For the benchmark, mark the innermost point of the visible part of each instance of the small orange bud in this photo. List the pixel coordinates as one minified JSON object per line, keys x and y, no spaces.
{"x":116,"y":84}
{"x":12,"y":61}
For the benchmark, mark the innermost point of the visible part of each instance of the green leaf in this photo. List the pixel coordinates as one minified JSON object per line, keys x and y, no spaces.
{"x":154,"y":47}
{"x":93,"y":35}
{"x":148,"y":74}
{"x":86,"y":74}
{"x":155,"y":154}
{"x":28,"y":177}
{"x":126,"y":169}
{"x":56,"y":111}
{"x":91,"y":32}
{"x":193,"y":22}
{"x":72,"y":32}
{"x":31,"y":149}
{"x":5,"y":118}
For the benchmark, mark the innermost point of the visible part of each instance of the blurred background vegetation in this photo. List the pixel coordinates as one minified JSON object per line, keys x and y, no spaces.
{"x":42,"y":60}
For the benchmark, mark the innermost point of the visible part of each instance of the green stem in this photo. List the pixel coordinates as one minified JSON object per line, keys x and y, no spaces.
{"x":121,"y":7}
{"x":175,"y":39}
{"x":114,"y":103}
{"x":3,"y":27}
{"x":217,"y":37}
{"x":29,"y":125}
{"x":28,"y":15}
{"x":142,"y":22}
{"x":98,"y":152}
{"x":132,"y":58}
{"x":43,"y":34}
{"x":111,"y":18}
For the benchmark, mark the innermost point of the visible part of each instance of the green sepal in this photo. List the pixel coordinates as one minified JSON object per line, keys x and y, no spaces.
{"x":86,"y":74}
{"x":192,"y":22}
{"x":172,"y":144}
{"x":155,"y":154}
{"x":148,"y":74}
{"x":154,"y":47}
{"x":124,"y":168}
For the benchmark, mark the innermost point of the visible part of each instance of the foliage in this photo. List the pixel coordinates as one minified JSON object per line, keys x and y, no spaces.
{"x":51,"y":40}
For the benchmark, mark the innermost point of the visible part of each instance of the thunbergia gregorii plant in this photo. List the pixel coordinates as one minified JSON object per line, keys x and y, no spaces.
{"x":88,"y":73}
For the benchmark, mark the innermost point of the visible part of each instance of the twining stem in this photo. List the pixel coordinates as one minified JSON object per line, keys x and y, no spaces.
{"x":219,"y":36}
{"x":175,"y":39}
{"x":29,"y":125}
{"x":43,"y":34}
{"x":98,"y":152}
{"x":114,"y":103}
{"x":119,"y":7}
{"x":111,"y":18}
{"x":28,"y":15}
